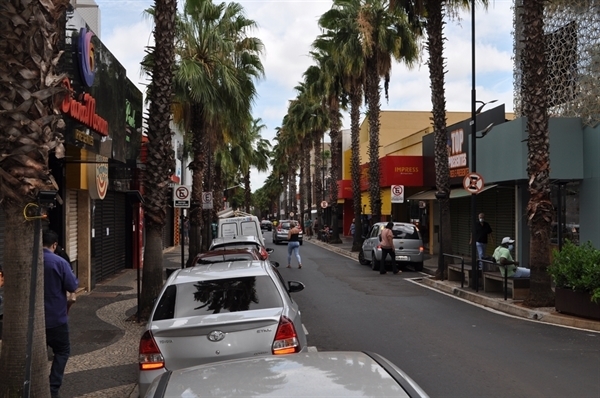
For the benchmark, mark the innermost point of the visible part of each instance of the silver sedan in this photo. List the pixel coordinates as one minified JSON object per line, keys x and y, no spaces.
{"x":217,"y":312}
{"x":408,"y":246}
{"x":311,"y":374}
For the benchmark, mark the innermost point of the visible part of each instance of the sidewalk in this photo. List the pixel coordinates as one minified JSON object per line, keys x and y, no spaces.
{"x":105,"y":336}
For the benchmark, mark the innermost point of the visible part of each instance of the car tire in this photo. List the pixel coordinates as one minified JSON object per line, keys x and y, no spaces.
{"x":375,"y":263}
{"x":361,"y":258}
{"x":418,"y":266}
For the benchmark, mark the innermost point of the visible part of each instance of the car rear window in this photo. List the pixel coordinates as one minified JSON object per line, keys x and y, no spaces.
{"x":285,"y":225}
{"x":217,"y":297}
{"x":405,"y":232}
{"x":226,"y":257}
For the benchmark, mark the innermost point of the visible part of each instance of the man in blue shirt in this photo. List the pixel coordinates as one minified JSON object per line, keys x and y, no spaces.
{"x":58,"y":280}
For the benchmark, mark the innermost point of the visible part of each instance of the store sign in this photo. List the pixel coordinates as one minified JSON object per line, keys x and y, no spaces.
{"x":98,"y":178}
{"x":84,"y":111}
{"x":86,"y":57}
{"x":457,"y":154}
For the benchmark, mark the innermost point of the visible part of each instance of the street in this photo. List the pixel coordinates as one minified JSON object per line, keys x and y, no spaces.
{"x":450,"y":347}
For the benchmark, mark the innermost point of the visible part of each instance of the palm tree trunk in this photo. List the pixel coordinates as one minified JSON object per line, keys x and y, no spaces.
{"x":197,"y":166}
{"x":435,"y":44}
{"x":334,"y":133}
{"x":355,"y":102}
{"x":317,"y":149}
{"x":18,"y":251}
{"x":161,"y":162}
{"x":535,"y":108}
{"x":373,"y":96}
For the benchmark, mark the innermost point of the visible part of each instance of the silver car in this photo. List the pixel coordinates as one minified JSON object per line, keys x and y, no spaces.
{"x":240,"y":241}
{"x":311,"y":374}
{"x":218,"y":312}
{"x":280,"y":231}
{"x":407,"y":242}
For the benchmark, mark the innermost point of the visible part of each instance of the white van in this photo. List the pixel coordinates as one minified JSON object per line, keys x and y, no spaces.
{"x":234,"y":223}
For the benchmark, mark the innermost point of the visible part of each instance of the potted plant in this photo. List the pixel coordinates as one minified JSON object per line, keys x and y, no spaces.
{"x":576,"y":273}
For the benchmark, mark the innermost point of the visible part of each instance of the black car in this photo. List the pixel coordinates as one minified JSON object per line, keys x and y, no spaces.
{"x":266,"y":225}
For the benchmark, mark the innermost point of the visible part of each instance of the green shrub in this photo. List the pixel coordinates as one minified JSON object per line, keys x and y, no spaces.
{"x":578,"y":268}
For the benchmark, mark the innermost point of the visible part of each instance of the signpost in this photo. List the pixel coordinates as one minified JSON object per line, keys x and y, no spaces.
{"x":207,"y":200}
{"x":473,"y":182}
{"x":182,"y":196}
{"x":397,"y":193}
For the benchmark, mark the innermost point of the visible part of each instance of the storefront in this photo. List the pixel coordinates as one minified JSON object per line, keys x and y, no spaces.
{"x":103,"y":116}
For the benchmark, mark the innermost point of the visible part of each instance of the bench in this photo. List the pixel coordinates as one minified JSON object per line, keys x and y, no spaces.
{"x":494,"y":282}
{"x":455,"y":274}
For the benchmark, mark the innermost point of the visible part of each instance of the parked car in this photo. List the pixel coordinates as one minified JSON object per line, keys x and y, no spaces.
{"x":235,"y":254}
{"x":266,"y":225}
{"x":311,"y":374}
{"x":237,"y":223}
{"x":407,"y":242}
{"x":280,"y":232}
{"x":218,"y":312}
{"x":240,"y":241}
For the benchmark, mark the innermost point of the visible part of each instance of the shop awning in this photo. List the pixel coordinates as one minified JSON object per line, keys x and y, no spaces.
{"x":454,"y":193}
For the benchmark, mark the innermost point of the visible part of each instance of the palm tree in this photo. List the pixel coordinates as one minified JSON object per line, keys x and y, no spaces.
{"x":535,"y":108}
{"x":386,"y":34}
{"x":30,"y":128}
{"x":161,"y":162}
{"x":340,"y":27}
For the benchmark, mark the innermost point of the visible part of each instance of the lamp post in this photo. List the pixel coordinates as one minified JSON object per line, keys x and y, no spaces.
{"x":440,"y":196}
{"x":323,"y":176}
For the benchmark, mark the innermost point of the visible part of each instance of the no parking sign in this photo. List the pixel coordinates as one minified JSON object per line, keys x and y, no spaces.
{"x":397,"y":193}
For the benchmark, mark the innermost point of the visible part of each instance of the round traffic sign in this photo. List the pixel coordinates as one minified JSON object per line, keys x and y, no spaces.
{"x":324,"y":204}
{"x":397,"y":190}
{"x":207,"y":197}
{"x":473,"y":183}
{"x":182,"y":193}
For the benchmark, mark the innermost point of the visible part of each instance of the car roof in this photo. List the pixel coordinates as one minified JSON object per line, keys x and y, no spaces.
{"x":236,"y":240}
{"x":220,"y":270}
{"x":310,"y":374}
{"x":223,"y":251}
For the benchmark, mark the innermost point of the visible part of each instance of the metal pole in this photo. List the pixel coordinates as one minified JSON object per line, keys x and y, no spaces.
{"x":37,"y":225}
{"x":182,"y":238}
{"x":474,"y":256}
{"x":323,"y":174}
{"x":559,"y":218}
{"x":441,"y":239}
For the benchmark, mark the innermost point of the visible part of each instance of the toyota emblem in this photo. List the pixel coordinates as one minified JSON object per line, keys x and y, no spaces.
{"x":216,"y":335}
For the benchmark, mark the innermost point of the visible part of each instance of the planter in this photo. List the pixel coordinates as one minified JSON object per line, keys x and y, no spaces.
{"x":576,"y":303}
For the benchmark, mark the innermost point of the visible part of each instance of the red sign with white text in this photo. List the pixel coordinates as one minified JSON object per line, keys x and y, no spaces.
{"x":395,"y":170}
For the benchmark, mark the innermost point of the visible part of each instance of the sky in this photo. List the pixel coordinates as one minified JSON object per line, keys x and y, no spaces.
{"x":287,"y":29}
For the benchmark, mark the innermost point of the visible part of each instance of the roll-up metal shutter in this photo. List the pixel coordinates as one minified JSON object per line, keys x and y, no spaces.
{"x":120,"y":230}
{"x":2,"y":232}
{"x":460,"y":215}
{"x":505,"y":213}
{"x":71,"y":226}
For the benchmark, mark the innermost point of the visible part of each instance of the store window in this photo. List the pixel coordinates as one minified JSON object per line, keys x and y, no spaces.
{"x":565,"y":199}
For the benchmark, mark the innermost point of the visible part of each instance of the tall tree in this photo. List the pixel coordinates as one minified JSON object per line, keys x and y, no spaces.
{"x":385,"y":35}
{"x":535,"y":108}
{"x":161,"y":163}
{"x":341,"y":37}
{"x":30,"y":129}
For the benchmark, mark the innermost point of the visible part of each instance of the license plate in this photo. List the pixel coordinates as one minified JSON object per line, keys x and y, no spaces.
{"x":402,"y":258}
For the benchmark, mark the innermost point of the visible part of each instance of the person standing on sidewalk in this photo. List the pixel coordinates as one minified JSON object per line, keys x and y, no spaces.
{"x":308,"y":227}
{"x":59,"y":280}
{"x":387,"y":247}
{"x":482,"y":231}
{"x":293,"y":244}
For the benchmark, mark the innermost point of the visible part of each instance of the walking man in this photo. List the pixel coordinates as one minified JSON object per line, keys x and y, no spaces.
{"x":59,"y":280}
{"x":482,"y":231}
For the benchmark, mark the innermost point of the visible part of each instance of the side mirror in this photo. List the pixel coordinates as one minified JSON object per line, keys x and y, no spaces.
{"x":270,"y":250}
{"x":275,"y":264}
{"x":295,"y":286}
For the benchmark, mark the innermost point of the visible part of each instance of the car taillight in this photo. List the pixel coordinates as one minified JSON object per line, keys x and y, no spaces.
{"x":150,"y":357}
{"x":286,"y":339}
{"x":279,"y":227}
{"x":421,"y":249}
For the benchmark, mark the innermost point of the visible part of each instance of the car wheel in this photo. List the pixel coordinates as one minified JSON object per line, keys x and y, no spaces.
{"x":375,"y":263}
{"x":418,"y":266}
{"x":361,"y":258}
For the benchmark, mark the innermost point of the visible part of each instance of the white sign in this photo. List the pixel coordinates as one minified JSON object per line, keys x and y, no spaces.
{"x":473,"y":183}
{"x":207,"y":200}
{"x":397,"y":193}
{"x":182,"y":195}
{"x":324,"y":204}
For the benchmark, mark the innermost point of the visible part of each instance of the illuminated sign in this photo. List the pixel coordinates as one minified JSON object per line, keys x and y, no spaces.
{"x":84,"y":111}
{"x":86,"y":57}
{"x":83,"y":137}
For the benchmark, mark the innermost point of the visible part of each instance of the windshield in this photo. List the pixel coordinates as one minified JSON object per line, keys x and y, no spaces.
{"x":217,"y":297}
{"x":226,"y":257}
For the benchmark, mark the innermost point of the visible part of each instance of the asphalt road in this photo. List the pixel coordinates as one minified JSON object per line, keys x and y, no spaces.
{"x":451,"y":348}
